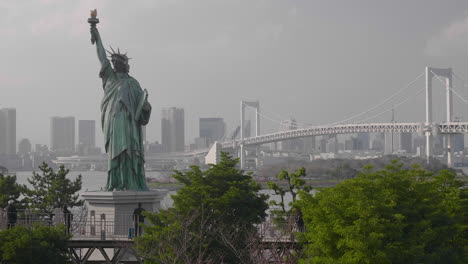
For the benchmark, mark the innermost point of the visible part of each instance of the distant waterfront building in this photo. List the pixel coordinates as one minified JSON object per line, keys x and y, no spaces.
{"x":62,"y":134}
{"x":200,"y":143}
{"x":458,"y":142}
{"x":309,"y":144}
{"x":173,"y":129}
{"x":39,"y":148}
{"x":364,"y":139}
{"x":290,"y":144}
{"x":87,"y":132}
{"x":8,"y":131}
{"x":392,"y":142}
{"x":153,"y":148}
{"x":323,"y":144}
{"x":212,"y":128}
{"x":439,"y":144}
{"x":24,"y":146}
{"x":377,"y":142}
{"x":419,"y":144}
{"x":406,"y":142}
{"x":332,"y":144}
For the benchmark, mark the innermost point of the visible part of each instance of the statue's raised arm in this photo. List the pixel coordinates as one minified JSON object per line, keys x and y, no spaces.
{"x":96,"y":38}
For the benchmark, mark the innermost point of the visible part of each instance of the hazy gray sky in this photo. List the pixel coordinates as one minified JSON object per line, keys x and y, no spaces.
{"x":317,"y":61}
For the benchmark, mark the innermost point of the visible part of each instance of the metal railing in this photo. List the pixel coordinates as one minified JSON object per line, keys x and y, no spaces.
{"x":83,"y":226}
{"x":125,"y":226}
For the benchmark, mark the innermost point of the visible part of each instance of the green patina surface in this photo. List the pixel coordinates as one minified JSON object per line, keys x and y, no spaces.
{"x":122,"y":130}
{"x":124,"y":110}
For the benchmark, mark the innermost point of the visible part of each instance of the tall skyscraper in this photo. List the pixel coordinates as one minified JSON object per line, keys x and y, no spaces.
{"x":212,"y":129}
{"x":8,"y":131}
{"x":62,"y":134}
{"x":87,"y":133}
{"x":173,"y":129}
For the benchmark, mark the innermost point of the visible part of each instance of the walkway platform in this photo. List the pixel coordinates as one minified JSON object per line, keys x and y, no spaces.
{"x":81,"y":251}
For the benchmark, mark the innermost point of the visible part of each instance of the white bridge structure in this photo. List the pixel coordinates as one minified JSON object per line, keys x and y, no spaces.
{"x":429,"y":128}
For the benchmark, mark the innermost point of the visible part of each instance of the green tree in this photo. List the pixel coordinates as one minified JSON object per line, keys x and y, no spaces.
{"x":52,"y":189}
{"x":393,"y":215}
{"x":9,"y":189}
{"x":38,"y":245}
{"x":294,"y":183}
{"x":212,"y":221}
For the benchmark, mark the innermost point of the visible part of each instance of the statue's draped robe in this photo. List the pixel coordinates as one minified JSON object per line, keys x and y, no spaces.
{"x":122,"y":130}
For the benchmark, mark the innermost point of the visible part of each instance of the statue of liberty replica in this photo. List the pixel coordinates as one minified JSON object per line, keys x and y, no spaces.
{"x":124,"y":110}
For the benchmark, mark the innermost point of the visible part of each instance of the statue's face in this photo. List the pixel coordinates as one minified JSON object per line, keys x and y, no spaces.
{"x":119,"y":66}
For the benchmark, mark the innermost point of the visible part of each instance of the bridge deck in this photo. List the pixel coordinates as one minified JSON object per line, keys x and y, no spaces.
{"x":434,"y":128}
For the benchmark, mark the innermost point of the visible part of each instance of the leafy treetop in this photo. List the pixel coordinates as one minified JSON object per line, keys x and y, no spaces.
{"x":9,"y":189}
{"x":393,"y":215}
{"x":52,"y":189}
{"x":211,"y":218}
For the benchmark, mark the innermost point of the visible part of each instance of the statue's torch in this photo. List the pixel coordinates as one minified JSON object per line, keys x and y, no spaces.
{"x":93,"y":20}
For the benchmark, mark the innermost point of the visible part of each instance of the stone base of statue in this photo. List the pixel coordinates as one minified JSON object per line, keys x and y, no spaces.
{"x":110,"y":214}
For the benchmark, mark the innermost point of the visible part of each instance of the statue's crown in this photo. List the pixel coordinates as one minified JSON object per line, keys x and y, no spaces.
{"x":119,"y":56}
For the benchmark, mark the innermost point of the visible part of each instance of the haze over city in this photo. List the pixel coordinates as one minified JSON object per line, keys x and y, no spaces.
{"x":234,"y":131}
{"x":316,"y":61}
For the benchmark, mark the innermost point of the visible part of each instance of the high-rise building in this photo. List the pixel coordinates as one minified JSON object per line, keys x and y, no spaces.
{"x":458,"y":142}
{"x":406,"y":142}
{"x":392,"y":142}
{"x":378,"y":142}
{"x":290,"y":144}
{"x":309,"y":144}
{"x":332,"y":144}
{"x":323,"y":144}
{"x":419,"y":144}
{"x":212,"y":128}
{"x":39,"y":148}
{"x":24,"y":146}
{"x":8,"y":131}
{"x":62,"y":134}
{"x":87,"y":133}
{"x":364,"y":139}
{"x":173,"y":129}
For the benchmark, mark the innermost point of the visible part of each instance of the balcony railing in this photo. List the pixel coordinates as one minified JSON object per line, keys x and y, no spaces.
{"x":125,"y":226}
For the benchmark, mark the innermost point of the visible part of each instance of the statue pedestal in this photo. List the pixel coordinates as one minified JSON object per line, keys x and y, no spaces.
{"x":110,"y":214}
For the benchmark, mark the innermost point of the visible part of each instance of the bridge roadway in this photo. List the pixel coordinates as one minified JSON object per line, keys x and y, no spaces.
{"x":434,"y":128}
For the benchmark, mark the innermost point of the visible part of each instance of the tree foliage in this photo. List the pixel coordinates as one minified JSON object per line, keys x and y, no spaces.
{"x":38,"y":245}
{"x":52,"y":189}
{"x":212,"y":220}
{"x":342,"y":169}
{"x":9,"y":189}
{"x":393,"y":215}
{"x":293,"y":182}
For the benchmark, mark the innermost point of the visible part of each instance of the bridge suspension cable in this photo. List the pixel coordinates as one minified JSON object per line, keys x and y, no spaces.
{"x":393,"y":107}
{"x":402,"y":89}
{"x":381,"y":103}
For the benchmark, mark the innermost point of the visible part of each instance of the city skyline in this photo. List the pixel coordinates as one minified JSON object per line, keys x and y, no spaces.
{"x":304,"y":53}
